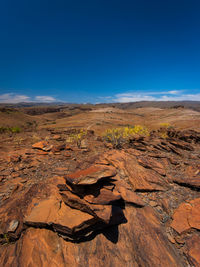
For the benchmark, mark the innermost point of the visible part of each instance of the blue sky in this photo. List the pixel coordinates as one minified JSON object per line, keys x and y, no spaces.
{"x":99,"y":51}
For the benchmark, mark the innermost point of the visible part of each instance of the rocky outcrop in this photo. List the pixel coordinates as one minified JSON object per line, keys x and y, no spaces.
{"x":138,"y":206}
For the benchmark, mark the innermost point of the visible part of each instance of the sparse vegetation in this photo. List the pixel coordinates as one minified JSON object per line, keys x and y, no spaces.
{"x":165,"y":125}
{"x":14,"y":129}
{"x":119,"y":136}
{"x":77,"y":137}
{"x":163,"y":131}
{"x":4,"y":239}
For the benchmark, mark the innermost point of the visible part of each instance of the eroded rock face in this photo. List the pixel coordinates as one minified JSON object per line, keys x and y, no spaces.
{"x":138,"y":206}
{"x":114,"y":246}
{"x":139,"y":177}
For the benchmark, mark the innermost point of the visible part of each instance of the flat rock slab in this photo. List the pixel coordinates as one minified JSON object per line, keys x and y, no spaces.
{"x":102,"y":212}
{"x":122,"y":246}
{"x":91,"y":175}
{"x":191,"y":176}
{"x":104,"y":197}
{"x":152,"y":163}
{"x":140,"y":178}
{"x":129,"y":196}
{"x":63,"y":218}
{"x":40,"y":145}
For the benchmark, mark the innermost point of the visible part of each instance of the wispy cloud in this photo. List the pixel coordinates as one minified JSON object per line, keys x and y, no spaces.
{"x":13,"y":98}
{"x":43,"y":98}
{"x":17,"y":98}
{"x":173,"y":95}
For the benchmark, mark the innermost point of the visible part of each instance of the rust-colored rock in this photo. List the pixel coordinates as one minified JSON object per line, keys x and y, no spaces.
{"x":193,"y":250}
{"x":113,"y":208}
{"x":105,"y":197}
{"x":129,"y":196}
{"x":58,"y":148}
{"x":153,"y":164}
{"x":140,"y":178}
{"x":57,"y":137}
{"x":119,"y":246}
{"x":191,"y":177}
{"x":53,"y":212}
{"x":40,"y":145}
{"x":187,"y":216}
{"x":91,"y":175}
{"x":102,"y":212}
{"x":14,"y":158}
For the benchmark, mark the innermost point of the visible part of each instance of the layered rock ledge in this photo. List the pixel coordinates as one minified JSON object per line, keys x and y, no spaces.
{"x":138,"y":206}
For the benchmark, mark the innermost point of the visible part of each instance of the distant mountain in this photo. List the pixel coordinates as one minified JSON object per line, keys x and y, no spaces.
{"x":194,"y":105}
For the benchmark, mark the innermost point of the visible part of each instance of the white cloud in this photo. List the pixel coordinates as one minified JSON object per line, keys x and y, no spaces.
{"x":173,"y":95}
{"x":132,"y":97}
{"x":16,"y":98}
{"x":175,"y":92}
{"x":43,"y":98}
{"x":13,"y":98}
{"x":187,"y":97}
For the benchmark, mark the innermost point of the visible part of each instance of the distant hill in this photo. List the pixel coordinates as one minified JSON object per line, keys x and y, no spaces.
{"x":58,"y":106}
{"x":194,"y":105}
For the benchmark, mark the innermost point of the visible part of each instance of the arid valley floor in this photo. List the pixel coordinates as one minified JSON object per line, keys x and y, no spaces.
{"x":69,"y":197}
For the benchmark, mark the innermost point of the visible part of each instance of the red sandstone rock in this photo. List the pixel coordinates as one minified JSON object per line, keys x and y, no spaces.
{"x":91,"y":175}
{"x":153,"y":164}
{"x":70,"y":231}
{"x":105,"y":196}
{"x":102,"y":212}
{"x":127,"y":193}
{"x":40,"y":145}
{"x":129,"y":196}
{"x":42,"y":153}
{"x":61,"y":217}
{"x":193,"y":250}
{"x":58,"y":148}
{"x":187,"y":216}
{"x":56,"y":137}
{"x":125,"y":246}
{"x":139,"y":177}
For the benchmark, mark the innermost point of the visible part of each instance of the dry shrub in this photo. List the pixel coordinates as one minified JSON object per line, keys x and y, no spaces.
{"x":164,"y":128}
{"x":119,"y":136}
{"x":77,"y":137}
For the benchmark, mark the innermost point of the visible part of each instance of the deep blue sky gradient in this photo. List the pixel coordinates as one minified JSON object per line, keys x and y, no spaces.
{"x":84,"y":51}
